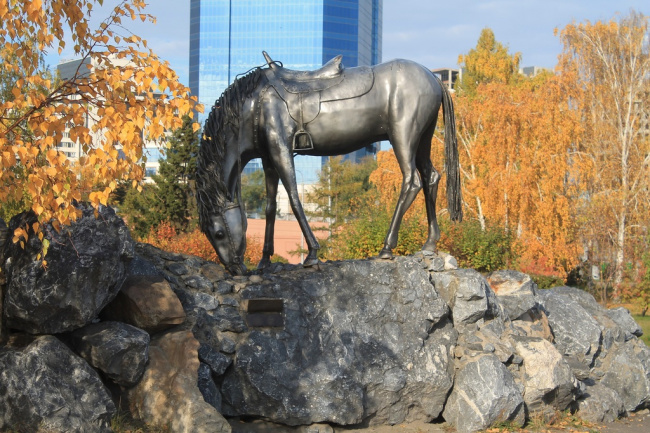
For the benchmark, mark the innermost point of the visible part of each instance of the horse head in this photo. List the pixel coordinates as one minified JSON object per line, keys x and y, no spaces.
{"x":226,"y":231}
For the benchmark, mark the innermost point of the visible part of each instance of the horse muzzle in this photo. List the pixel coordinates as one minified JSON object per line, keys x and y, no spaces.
{"x":237,"y":268}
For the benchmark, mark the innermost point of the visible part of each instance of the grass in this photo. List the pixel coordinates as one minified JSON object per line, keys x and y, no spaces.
{"x":560,"y":421}
{"x":644,"y":322}
{"x":123,"y":422}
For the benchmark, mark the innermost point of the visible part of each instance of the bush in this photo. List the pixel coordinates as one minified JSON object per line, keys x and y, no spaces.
{"x":547,"y":281}
{"x":195,"y":243}
{"x":484,"y":250}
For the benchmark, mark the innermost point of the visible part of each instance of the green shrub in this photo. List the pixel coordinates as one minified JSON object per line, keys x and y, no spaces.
{"x":484,"y":250}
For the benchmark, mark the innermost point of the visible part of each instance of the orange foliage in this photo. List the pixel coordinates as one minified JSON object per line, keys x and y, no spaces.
{"x":518,"y":167}
{"x":130,"y":93}
{"x":196,"y":243}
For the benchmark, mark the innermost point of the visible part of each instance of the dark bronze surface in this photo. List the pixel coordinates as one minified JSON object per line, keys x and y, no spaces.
{"x":274,"y":113}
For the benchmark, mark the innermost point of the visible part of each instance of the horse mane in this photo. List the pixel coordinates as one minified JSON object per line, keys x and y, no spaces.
{"x":211,"y":186}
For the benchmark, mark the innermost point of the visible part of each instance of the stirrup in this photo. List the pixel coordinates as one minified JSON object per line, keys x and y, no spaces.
{"x":296,"y":137}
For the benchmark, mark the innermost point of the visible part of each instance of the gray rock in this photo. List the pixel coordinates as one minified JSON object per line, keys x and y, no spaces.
{"x":437,"y":264}
{"x":205,"y":301}
{"x":625,"y":321}
{"x":118,"y":350}
{"x":450,"y":261}
{"x":224,"y":288}
{"x":516,"y":292}
{"x":610,"y":329}
{"x":549,"y":383}
{"x":46,"y":386}
{"x":209,"y":390}
{"x":87,"y":264}
{"x":218,"y":362}
{"x":599,"y":403}
{"x":484,"y":394}
{"x":626,"y":370}
{"x":576,"y":332}
{"x":468,"y":295}
{"x":177,"y":268}
{"x":198,"y":282}
{"x":226,"y":318}
{"x":363,"y":341}
{"x":142,"y":267}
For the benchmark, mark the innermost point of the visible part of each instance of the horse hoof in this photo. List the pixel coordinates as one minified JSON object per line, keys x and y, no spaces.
{"x":430,"y":248}
{"x":308,"y":263}
{"x":264,"y":263}
{"x":386,"y":254}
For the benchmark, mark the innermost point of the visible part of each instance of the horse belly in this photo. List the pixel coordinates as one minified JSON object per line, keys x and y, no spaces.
{"x":346,"y":126}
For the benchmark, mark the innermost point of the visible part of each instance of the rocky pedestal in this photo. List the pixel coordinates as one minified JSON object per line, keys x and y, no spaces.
{"x":349,"y":343}
{"x":344,"y":352}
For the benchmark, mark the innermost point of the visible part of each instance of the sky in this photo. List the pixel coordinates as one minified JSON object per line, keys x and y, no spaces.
{"x":431,"y":32}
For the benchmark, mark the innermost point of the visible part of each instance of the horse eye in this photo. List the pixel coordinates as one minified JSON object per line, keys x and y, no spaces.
{"x":220,"y":234}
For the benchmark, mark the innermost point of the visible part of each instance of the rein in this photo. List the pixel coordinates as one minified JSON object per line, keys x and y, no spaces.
{"x":222,"y":214}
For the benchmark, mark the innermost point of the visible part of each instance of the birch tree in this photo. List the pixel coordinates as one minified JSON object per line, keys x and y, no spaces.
{"x":611,"y":63}
{"x":132,"y":94}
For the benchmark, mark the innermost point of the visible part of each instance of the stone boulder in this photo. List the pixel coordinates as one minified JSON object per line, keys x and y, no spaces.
{"x":548,"y":381}
{"x":610,"y":329}
{"x":599,"y":403}
{"x":362,"y":341}
{"x":576,"y":332}
{"x":146,"y":302}
{"x":626,"y":369}
{"x":469,"y":296}
{"x":46,"y":387}
{"x":86,"y":265}
{"x":534,"y":323}
{"x":516,"y":292}
{"x":168,"y":392}
{"x":621,"y":316}
{"x":484,"y":394}
{"x":118,"y":350}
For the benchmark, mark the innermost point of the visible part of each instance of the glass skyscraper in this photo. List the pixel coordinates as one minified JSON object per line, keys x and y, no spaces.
{"x":227,"y":38}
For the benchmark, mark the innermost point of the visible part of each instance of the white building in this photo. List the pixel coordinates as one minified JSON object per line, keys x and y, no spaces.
{"x":68,"y":69}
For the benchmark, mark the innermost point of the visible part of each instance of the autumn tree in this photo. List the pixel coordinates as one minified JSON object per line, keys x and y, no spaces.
{"x":253,"y":192}
{"x":610,"y":63}
{"x":489,"y":62}
{"x":516,"y":143}
{"x":341,"y":183}
{"x":128,"y":91}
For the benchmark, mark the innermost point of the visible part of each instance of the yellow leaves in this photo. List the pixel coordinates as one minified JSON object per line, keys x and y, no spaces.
{"x":117,"y":111}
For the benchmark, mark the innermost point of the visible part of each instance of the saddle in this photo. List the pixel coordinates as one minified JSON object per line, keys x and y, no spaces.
{"x":303,"y":91}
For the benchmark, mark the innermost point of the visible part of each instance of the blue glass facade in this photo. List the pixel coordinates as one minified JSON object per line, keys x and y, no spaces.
{"x":227,"y":38}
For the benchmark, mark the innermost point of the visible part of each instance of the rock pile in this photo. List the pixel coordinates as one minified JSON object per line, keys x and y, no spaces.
{"x":347,"y":343}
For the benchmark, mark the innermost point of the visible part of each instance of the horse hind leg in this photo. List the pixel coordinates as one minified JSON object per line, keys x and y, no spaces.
{"x":411,"y":184}
{"x":430,"y":178}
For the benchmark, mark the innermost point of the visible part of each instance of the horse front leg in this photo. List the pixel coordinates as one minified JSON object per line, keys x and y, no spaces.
{"x":286,"y":170}
{"x":272,"y":179}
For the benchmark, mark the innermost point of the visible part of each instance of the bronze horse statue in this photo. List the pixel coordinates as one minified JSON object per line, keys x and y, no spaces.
{"x":273,"y":113}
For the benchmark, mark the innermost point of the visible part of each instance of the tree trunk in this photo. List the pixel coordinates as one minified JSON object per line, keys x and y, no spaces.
{"x":620,"y":254}
{"x":481,"y":217}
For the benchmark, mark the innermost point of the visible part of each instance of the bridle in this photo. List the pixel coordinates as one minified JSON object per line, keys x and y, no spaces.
{"x":222,"y":213}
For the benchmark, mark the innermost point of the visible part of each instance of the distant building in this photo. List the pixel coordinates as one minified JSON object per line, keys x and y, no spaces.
{"x":531,"y":71}
{"x":227,"y":38}
{"x":67,"y":69}
{"x":448,"y":76}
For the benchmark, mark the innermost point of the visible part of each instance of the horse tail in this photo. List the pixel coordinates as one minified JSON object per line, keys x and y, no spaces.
{"x":452,"y":165}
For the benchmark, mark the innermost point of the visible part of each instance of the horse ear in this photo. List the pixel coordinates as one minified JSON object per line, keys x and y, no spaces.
{"x":269,"y":60}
